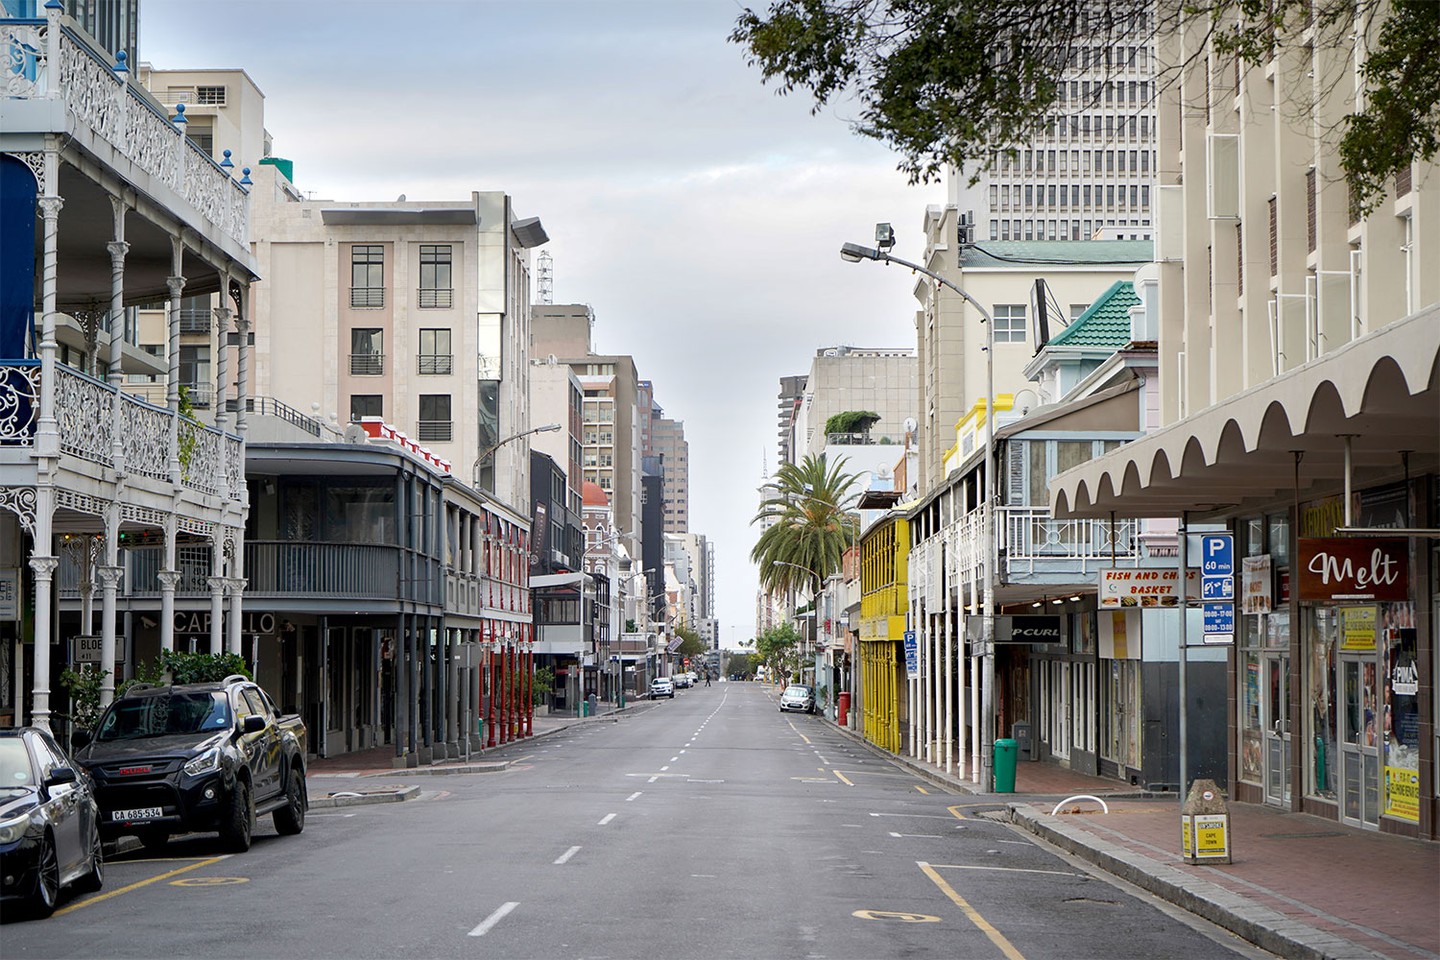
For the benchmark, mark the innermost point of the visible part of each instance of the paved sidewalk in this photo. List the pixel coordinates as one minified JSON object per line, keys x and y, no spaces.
{"x":1298,"y":885}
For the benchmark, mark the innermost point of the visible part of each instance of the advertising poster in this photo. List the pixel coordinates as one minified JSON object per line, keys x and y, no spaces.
{"x":1357,"y":628}
{"x":1255,"y":594}
{"x":1401,"y":722}
{"x":1126,"y":587}
{"x":1120,"y":635}
{"x":9,"y":594}
{"x":1402,"y":794}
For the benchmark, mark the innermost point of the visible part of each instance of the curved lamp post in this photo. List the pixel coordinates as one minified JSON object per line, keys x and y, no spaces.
{"x":854,"y":253}
{"x":490,"y":450}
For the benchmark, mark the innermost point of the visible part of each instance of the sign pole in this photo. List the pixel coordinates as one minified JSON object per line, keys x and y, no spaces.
{"x":1183,"y":610}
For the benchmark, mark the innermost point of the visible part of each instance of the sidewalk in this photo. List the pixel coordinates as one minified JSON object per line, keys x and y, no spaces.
{"x":1298,"y":886}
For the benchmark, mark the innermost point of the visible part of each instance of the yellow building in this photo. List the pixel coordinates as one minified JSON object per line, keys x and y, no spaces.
{"x":884,"y":705}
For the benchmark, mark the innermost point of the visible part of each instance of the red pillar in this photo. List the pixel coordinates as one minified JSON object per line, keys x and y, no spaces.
{"x":529,"y":689}
{"x":490,"y":734}
{"x":505,"y":692}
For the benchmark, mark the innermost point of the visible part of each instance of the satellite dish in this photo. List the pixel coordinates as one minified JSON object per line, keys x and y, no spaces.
{"x":883,"y":471}
{"x":354,"y":433}
{"x":910,"y":424}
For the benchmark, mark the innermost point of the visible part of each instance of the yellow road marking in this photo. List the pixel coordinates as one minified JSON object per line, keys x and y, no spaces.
{"x":893,"y":915}
{"x":922,"y":789}
{"x":801,"y":735}
{"x":996,"y":937}
{"x":843,"y":777}
{"x":955,"y":811}
{"x":137,"y":885}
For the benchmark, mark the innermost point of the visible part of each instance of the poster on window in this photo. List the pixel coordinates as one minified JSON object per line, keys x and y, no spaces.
{"x":1357,"y":628}
{"x":1401,"y":722}
{"x":1255,"y":580}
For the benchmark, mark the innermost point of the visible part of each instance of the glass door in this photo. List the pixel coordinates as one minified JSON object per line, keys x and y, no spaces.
{"x":1276,"y":728}
{"x":1359,"y":742}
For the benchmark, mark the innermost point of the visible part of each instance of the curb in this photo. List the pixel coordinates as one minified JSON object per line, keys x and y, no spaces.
{"x":355,"y":798}
{"x":1260,"y":925}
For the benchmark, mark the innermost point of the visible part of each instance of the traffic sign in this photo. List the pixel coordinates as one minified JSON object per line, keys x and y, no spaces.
{"x":1217,"y":555}
{"x":1219,"y":620}
{"x":1217,"y":588}
{"x":912,"y":655}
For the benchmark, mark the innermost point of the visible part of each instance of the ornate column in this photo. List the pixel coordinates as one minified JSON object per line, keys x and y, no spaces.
{"x":118,"y":249}
{"x":169,"y":580}
{"x":109,"y":582}
{"x":217,"y":612}
{"x":242,"y":380}
{"x":235,"y":587}
{"x":222,"y":356}
{"x":176,"y":284}
{"x":44,"y":569}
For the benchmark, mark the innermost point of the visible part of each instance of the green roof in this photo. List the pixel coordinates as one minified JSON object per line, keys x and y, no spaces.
{"x":994,"y":253}
{"x":1106,"y":323}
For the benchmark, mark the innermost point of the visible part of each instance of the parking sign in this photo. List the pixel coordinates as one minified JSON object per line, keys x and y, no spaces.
{"x":1217,"y":555}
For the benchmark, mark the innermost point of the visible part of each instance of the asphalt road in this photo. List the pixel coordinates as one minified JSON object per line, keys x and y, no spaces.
{"x":710,"y":826}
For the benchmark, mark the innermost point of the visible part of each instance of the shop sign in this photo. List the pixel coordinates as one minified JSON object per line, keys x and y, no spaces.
{"x":1402,"y":794}
{"x":198,"y":623}
{"x":1127,"y":587}
{"x":1357,"y":628}
{"x":1029,"y":629}
{"x":9,"y":594}
{"x":1255,"y":596}
{"x":1354,"y":568}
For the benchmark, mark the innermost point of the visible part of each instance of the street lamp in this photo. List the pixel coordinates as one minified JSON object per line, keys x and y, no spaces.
{"x":490,"y":450}
{"x":854,"y":253}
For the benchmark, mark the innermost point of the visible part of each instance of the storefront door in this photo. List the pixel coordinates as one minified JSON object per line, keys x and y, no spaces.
{"x":1359,"y":741}
{"x":1276,"y":726}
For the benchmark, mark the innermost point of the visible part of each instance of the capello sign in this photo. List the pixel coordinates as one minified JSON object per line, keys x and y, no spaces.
{"x":1354,"y":568}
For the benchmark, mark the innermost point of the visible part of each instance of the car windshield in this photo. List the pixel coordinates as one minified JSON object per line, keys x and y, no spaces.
{"x":15,"y":764}
{"x":796,"y":691}
{"x":159,"y":716}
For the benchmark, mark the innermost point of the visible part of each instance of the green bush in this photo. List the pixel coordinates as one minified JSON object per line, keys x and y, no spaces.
{"x":83,"y":685}
{"x":174,"y":666}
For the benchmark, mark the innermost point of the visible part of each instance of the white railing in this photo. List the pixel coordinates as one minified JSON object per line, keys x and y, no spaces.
{"x":1032,"y":535}
{"x":105,"y":102}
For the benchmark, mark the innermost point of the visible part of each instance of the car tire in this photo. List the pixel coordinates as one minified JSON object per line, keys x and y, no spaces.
{"x":239,"y":826}
{"x":46,"y":894}
{"x":94,"y":878}
{"x":290,"y":819}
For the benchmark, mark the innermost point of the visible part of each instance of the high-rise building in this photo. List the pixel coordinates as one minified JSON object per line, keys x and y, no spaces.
{"x":792,"y":389}
{"x":1089,"y":170}
{"x":668,"y":441}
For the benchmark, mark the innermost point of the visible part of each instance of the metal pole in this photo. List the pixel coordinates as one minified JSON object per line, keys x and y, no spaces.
{"x":1184,"y":662}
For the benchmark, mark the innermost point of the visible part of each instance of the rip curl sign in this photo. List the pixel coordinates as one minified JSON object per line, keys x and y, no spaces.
{"x":1354,"y":568}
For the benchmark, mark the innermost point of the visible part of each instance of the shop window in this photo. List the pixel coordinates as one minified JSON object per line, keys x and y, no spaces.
{"x":1321,"y":754}
{"x":1252,"y":749}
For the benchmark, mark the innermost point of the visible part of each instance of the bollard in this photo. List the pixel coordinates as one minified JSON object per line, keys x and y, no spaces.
{"x":1005,"y":766}
{"x":1205,"y":825}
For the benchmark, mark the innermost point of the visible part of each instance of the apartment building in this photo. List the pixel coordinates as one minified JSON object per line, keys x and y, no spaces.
{"x":1089,"y":168}
{"x":414,"y":312}
{"x":667,"y":441}
{"x":1299,"y":339}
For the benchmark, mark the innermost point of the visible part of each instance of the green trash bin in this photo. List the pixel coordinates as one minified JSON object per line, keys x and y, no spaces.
{"x":1005,"y":766}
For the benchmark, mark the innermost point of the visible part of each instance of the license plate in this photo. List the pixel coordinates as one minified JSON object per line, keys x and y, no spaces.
{"x":139,"y":813}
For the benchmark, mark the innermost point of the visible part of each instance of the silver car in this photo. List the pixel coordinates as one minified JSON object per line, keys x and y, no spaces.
{"x":799,"y":698}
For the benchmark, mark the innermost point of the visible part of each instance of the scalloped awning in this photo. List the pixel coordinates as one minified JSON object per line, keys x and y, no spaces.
{"x":1382,"y":390}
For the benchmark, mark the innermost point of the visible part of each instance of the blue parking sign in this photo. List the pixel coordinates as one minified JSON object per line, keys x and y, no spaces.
{"x":1217,"y":555}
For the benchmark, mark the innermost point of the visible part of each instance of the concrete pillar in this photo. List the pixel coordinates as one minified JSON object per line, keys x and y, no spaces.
{"x":169,"y":580}
{"x":109,"y":583}
{"x":217,"y":613}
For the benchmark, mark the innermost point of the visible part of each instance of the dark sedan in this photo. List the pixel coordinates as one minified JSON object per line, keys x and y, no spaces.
{"x":49,"y":824}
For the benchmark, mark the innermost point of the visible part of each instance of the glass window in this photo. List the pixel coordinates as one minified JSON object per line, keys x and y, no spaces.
{"x":1320,"y":674}
{"x":367,"y":353}
{"x":367,"y":275}
{"x":435,"y":355}
{"x":1010,"y":321}
{"x":354,"y":514}
{"x":366,"y":405}
{"x":435,"y":285}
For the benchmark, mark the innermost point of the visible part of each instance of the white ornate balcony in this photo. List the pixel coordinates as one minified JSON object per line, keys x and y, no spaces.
{"x":210,"y":461}
{"x":106,"y":109}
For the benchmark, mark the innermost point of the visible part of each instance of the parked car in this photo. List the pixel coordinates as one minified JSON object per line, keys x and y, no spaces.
{"x":196,"y":757}
{"x":682,"y":681}
{"x":662,"y":687}
{"x":49,"y":823}
{"x":798,"y":697}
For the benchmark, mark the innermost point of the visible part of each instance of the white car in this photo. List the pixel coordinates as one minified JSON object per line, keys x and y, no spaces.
{"x":662,"y":687}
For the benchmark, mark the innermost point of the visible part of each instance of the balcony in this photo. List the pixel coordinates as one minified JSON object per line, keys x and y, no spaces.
{"x":428,"y":297}
{"x":1036,"y":542}
{"x":436,"y":363}
{"x":434,"y":431}
{"x":102,"y":106}
{"x":367,"y":364}
{"x":89,"y":427}
{"x":195,"y":320}
{"x":367,"y":297}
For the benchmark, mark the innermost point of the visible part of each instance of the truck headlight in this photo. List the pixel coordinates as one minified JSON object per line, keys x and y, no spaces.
{"x":207,"y":762}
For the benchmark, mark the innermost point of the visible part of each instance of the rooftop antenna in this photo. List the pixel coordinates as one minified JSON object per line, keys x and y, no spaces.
{"x":545,"y":277}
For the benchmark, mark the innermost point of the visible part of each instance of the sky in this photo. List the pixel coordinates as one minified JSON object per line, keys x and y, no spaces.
{"x":699,"y":214}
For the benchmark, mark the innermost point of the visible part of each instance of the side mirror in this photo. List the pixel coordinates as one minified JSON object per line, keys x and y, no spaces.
{"x":80,"y":738}
{"x":253,"y":723}
{"x":59,"y":775}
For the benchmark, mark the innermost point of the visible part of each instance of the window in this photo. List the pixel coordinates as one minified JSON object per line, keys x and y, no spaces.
{"x":435,"y":288}
{"x":366,"y":405}
{"x":210,"y":96}
{"x":367,"y":356}
{"x":1076,"y":309}
{"x":1010,"y":323}
{"x":195,"y":375}
{"x":435,"y":355}
{"x":435,"y":423}
{"x":367,"y":275}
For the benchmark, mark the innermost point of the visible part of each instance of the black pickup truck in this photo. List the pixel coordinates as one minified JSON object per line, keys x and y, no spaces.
{"x":196,"y":757}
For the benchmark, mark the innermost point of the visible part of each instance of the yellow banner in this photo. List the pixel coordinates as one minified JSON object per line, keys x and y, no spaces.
{"x":1402,"y":794}
{"x":1357,"y":627}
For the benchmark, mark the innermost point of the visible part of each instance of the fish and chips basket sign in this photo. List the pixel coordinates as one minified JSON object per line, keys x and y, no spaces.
{"x":1129,"y":587}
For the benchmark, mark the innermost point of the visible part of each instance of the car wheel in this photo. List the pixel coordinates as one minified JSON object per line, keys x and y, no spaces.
{"x":94,"y":878}
{"x":290,"y":819}
{"x":47,"y":879}
{"x":235,"y":834}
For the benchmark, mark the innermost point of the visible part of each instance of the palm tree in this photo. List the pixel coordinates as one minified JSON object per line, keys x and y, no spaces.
{"x":811,"y":525}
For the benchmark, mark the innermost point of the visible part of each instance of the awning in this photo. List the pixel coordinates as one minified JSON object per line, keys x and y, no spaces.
{"x":1381,"y":391}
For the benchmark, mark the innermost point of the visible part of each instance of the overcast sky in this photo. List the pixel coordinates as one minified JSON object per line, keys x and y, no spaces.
{"x":698,"y":213}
